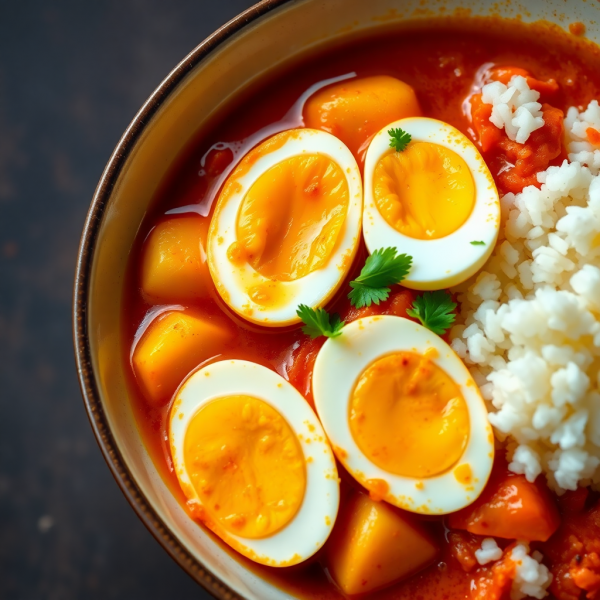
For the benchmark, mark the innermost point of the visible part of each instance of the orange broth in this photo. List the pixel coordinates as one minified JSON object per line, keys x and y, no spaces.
{"x":441,"y":63}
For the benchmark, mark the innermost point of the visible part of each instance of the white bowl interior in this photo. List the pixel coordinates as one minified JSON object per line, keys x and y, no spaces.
{"x":284,"y":33}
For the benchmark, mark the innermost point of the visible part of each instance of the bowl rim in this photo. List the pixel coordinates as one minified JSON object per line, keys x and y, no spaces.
{"x":85,"y":255}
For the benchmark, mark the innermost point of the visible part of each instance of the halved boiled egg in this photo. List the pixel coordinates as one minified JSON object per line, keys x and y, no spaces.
{"x":254,"y":463}
{"x":435,"y":201}
{"x":404,"y":415}
{"x":286,"y":226}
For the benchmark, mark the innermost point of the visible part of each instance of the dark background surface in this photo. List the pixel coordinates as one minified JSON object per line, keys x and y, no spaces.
{"x":72,"y":76}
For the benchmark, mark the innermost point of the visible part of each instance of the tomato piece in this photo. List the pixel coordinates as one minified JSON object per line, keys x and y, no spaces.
{"x":536,"y":154}
{"x":494,"y":582}
{"x":399,"y":300}
{"x":512,"y":508}
{"x":505,"y":74}
{"x":303,"y":363}
{"x":489,"y":135}
{"x":518,"y":164}
{"x":572,"y":553}
{"x":463,"y":546}
{"x":586,"y":574}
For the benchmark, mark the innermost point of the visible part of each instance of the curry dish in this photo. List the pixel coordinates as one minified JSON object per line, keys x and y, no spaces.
{"x":362,"y":319}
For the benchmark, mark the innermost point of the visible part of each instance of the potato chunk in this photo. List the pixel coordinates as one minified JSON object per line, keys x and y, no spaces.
{"x":374,"y":545}
{"x":174,"y":265}
{"x":356,"y":109}
{"x":173,"y":345}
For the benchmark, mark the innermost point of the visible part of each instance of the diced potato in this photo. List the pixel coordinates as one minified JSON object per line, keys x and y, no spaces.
{"x":174,"y":265}
{"x":374,"y":545}
{"x":172,"y":346}
{"x":356,"y":109}
{"x":510,"y":507}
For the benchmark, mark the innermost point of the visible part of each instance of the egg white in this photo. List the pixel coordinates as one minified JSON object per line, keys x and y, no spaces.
{"x":316,"y":288}
{"x":340,"y":363}
{"x":312,"y":524}
{"x":444,"y":262}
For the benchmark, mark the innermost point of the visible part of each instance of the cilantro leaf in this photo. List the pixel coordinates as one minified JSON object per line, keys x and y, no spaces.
{"x":435,"y":310}
{"x":399,"y":139}
{"x":364,"y":296}
{"x":383,"y":268}
{"x":319,"y":322}
{"x":475,"y":243}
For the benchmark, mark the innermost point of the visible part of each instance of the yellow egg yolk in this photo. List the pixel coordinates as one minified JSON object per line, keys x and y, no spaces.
{"x":246,"y":465}
{"x":408,"y":416}
{"x":291,"y":218}
{"x":425,"y":192}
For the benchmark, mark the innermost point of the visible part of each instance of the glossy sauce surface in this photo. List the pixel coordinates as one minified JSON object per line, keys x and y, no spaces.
{"x":442,"y":66}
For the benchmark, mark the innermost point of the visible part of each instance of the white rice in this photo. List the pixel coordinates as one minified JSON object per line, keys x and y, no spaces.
{"x":488,"y":552}
{"x":578,"y":144}
{"x":529,"y":322}
{"x":515,"y":107}
{"x":532,"y":577}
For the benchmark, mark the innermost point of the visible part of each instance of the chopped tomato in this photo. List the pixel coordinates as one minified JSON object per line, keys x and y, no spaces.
{"x":574,"y":554}
{"x":350,"y":313}
{"x":303,"y":363}
{"x":494,"y":582}
{"x":586,"y":574}
{"x":399,"y":300}
{"x":535,"y":155}
{"x":489,"y":135}
{"x":463,"y":546}
{"x":505,"y":74}
{"x":517,"y":165}
{"x":510,"y":507}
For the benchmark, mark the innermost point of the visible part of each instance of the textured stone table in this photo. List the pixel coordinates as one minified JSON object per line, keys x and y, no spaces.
{"x":72,"y":75}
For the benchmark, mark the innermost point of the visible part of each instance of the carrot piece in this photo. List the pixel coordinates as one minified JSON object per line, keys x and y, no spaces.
{"x":593,"y":135}
{"x":512,"y":508}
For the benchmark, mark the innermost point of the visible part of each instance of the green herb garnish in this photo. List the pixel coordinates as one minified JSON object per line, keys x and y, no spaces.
{"x":399,"y":139}
{"x":383,"y":268}
{"x":477,"y":243}
{"x":435,"y":310}
{"x":319,"y":322}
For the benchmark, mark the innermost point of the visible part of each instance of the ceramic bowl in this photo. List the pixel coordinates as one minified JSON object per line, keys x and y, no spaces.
{"x":260,"y":40}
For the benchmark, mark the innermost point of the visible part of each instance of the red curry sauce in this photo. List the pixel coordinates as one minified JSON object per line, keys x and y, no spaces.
{"x":443,"y":66}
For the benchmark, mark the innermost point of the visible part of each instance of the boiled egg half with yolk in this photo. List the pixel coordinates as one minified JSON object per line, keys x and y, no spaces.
{"x":404,"y":415}
{"x":254,"y":462}
{"x":286,"y":226}
{"x":435,"y":200}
